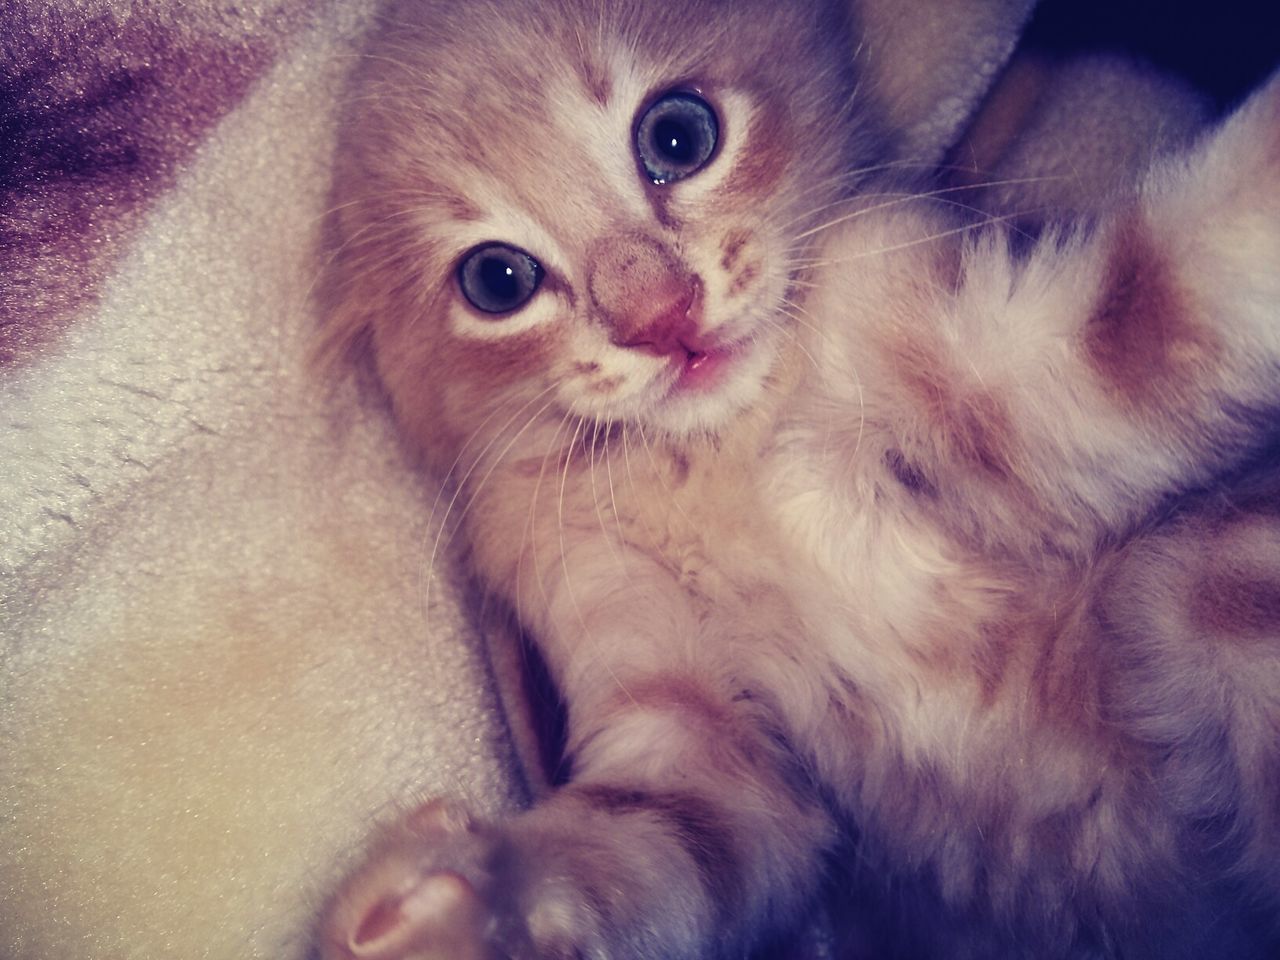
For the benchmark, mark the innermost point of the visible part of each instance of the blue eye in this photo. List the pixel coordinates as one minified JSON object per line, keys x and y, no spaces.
{"x":497,"y":278}
{"x":676,"y":137}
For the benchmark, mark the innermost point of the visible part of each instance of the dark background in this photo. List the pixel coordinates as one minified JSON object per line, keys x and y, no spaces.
{"x":1225,"y":47}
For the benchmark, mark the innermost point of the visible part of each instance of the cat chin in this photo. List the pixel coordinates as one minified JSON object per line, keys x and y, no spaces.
{"x":683,"y":412}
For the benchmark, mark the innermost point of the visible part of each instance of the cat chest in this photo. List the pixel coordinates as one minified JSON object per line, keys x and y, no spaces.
{"x":862,"y":549}
{"x":928,"y":639}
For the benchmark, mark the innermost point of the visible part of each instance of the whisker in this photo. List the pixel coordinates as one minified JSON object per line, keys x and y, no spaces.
{"x":429,"y":571}
{"x":658,"y":472}
{"x":613,"y":499}
{"x":850,"y":177}
{"x":639,"y":513}
{"x":599,"y":441}
{"x":349,"y":242}
{"x":805,"y":318}
{"x":901,"y":198}
{"x":795,"y":338}
{"x":907,"y":244}
{"x":552,"y":447}
{"x":564,"y":553}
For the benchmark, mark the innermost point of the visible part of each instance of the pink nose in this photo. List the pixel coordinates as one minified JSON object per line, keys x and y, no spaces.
{"x":649,"y":301}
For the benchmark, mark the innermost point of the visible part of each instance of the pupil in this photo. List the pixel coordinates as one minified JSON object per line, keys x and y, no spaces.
{"x":499,"y":279}
{"x":672,"y":139}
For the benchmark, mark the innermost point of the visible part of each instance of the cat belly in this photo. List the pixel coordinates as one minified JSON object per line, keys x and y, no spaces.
{"x":979,"y":751}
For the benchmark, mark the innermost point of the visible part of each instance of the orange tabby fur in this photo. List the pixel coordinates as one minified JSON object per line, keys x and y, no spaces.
{"x":901,"y":588}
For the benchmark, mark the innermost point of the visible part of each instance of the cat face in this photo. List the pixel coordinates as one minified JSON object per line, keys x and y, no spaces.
{"x":600,"y":212}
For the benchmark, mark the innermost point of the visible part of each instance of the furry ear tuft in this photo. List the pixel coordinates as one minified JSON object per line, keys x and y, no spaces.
{"x":1237,"y":166}
{"x":1260,"y":118}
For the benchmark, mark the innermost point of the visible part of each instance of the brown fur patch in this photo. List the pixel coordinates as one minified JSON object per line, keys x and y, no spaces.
{"x":969,"y":424}
{"x":1066,"y":676}
{"x":908,"y":475}
{"x":595,"y":78}
{"x":674,"y":692}
{"x":607,"y":385}
{"x":765,"y":155}
{"x":1237,"y":607}
{"x":963,"y":645}
{"x":1142,"y":338}
{"x":461,"y":209}
{"x":749,"y":272}
{"x":983,"y":433}
{"x":679,"y":468}
{"x":991,"y":657}
{"x":500,"y":361}
{"x":731,"y":246}
{"x":697,"y":825}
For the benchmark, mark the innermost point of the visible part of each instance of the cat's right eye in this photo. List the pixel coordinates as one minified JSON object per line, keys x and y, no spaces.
{"x":497,"y":278}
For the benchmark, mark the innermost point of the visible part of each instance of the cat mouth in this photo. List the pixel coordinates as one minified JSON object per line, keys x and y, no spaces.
{"x":709,"y":381}
{"x":704,"y":369}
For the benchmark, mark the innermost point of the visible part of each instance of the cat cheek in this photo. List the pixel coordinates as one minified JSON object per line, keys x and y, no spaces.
{"x":734,"y":266}
{"x":607,"y":386}
{"x":588,"y":381}
{"x":524,"y":357}
{"x":733,"y":245}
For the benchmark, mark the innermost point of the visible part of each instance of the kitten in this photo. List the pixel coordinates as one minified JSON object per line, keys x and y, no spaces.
{"x":837,"y":527}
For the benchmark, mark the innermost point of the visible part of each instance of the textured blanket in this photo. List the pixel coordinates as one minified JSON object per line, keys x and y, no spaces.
{"x":217,"y":666}
{"x":220,"y":666}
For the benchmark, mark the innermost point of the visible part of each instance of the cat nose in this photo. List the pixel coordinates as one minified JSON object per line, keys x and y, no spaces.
{"x":649,"y":301}
{"x":667,"y":324}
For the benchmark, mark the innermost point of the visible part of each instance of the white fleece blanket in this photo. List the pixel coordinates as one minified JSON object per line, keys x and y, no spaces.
{"x":217,"y":668}
{"x":218,"y":664}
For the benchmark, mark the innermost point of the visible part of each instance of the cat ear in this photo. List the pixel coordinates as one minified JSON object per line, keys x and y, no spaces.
{"x":928,"y":63}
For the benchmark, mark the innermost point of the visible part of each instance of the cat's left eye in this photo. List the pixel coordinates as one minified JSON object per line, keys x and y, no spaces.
{"x":676,"y":137}
{"x":497,"y":278}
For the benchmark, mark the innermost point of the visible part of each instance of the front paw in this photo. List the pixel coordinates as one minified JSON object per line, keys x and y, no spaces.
{"x":425,"y":893}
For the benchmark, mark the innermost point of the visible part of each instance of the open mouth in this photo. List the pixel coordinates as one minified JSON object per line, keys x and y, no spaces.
{"x":705,"y":384}
{"x":704,"y":369}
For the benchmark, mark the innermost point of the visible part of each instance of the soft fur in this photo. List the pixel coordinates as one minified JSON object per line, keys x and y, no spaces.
{"x":900,"y":588}
{"x":218,"y":673}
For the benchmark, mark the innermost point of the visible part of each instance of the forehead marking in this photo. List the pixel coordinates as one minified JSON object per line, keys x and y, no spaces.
{"x":601,"y":135}
{"x":594,"y":76}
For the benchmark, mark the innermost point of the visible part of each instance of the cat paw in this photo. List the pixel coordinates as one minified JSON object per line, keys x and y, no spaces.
{"x":422,"y":895}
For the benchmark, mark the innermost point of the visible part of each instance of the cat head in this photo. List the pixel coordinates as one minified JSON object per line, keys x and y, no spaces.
{"x":592,"y":209}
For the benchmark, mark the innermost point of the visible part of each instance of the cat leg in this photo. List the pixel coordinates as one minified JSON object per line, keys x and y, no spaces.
{"x":1192,"y":615}
{"x":1055,"y":395}
{"x":686,"y":830}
